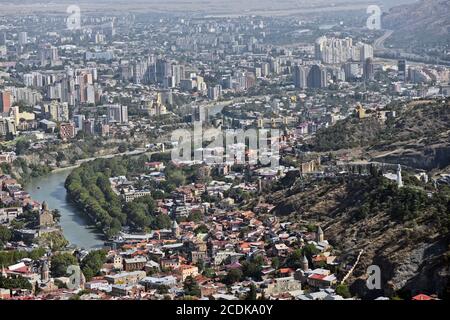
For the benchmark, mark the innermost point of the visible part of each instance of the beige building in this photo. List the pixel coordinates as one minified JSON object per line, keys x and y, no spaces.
{"x":126,"y":277}
{"x":118,"y":262}
{"x":310,"y":166}
{"x":187,"y":271}
{"x":283,"y":285}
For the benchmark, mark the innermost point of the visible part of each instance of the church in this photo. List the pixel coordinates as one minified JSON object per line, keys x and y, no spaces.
{"x":45,"y":218}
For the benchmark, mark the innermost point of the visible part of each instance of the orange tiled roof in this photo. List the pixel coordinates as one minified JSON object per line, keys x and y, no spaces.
{"x":286,"y":270}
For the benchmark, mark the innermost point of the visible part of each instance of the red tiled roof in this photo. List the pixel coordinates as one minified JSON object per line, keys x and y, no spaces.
{"x":317,"y":276}
{"x":422,"y":297}
{"x":23,"y":269}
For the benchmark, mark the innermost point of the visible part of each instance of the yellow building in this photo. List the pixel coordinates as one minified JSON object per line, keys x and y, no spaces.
{"x":360,"y":111}
{"x":17,"y":115}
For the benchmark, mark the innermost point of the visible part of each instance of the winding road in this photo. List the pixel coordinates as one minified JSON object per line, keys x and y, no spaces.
{"x":378,"y":45}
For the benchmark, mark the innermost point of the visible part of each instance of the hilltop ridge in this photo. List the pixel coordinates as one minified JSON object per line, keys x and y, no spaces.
{"x":426,"y":21}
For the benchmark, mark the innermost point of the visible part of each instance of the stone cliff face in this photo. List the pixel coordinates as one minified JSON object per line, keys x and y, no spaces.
{"x":417,"y":268}
{"x":425,"y":158}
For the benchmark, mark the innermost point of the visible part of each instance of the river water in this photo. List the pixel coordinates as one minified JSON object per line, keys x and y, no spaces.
{"x":75,"y":225}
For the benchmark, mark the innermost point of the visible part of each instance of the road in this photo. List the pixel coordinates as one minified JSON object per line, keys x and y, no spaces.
{"x":108,"y":156}
{"x":379,"y":43}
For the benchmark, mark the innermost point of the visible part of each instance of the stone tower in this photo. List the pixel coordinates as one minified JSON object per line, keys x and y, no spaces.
{"x":399,"y":177}
{"x":4,"y":274}
{"x":305,"y":264}
{"x":45,"y":217}
{"x":320,"y":237}
{"x":175,"y":229}
{"x":45,"y":271}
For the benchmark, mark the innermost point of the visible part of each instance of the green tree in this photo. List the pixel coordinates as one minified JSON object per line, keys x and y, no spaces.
{"x":92,"y":263}
{"x":5,"y":235}
{"x":275,"y":263}
{"x":201,"y":229}
{"x":233,"y":276}
{"x":251,"y":295}
{"x":122,"y":148}
{"x":15,"y":283}
{"x":60,"y":262}
{"x":162,"y":221}
{"x":195,"y":216}
{"x":310,"y":250}
{"x":191,"y":287}
{"x":252,"y":270}
{"x":162,"y":289}
{"x":176,"y":177}
{"x":343,"y":290}
{"x":22,"y":146}
{"x":294,"y":259}
{"x":209,"y":273}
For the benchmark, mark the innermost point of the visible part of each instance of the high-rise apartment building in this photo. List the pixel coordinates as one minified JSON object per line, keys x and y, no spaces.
{"x":300,"y":77}
{"x":117,"y":113}
{"x":402,"y":70}
{"x":368,"y":69}
{"x":317,"y":77}
{"x":5,"y":101}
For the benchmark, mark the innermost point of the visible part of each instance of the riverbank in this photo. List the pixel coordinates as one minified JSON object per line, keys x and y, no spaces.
{"x":77,"y":228}
{"x":107,"y":156}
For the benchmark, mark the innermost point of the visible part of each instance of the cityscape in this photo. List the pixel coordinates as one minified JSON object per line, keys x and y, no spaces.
{"x":233,"y":151}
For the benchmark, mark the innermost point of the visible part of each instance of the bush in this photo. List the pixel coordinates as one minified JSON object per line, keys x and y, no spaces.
{"x":343,"y":290}
{"x":60,"y":262}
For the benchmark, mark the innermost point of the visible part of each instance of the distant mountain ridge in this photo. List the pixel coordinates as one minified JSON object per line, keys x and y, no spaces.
{"x":425,"y":21}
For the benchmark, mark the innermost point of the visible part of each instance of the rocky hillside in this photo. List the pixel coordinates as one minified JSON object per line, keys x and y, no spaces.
{"x":426,"y":21}
{"x":403,"y":231}
{"x":418,"y":137}
{"x":348,"y":133}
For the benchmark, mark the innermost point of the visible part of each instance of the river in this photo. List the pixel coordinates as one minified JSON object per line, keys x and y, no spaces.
{"x":75,"y":225}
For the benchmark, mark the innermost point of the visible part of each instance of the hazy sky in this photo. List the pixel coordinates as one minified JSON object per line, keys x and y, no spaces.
{"x":204,"y":6}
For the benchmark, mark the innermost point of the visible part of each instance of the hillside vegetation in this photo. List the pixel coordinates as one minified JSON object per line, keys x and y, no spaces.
{"x":348,"y":133}
{"x":418,"y":137}
{"x":90,"y":189}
